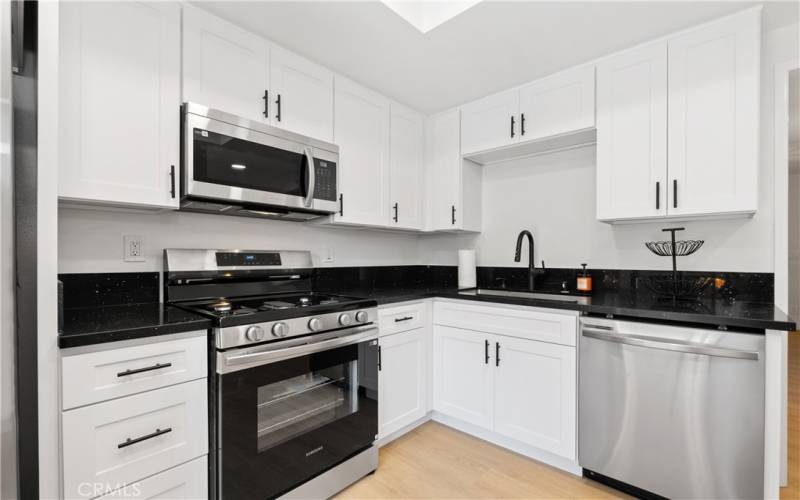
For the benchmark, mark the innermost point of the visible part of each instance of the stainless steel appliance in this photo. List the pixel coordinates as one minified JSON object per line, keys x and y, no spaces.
{"x":235,"y":166}
{"x":294,"y":373}
{"x":674,"y":411}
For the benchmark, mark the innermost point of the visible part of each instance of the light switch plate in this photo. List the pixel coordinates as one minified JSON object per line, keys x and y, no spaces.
{"x":133,"y":248}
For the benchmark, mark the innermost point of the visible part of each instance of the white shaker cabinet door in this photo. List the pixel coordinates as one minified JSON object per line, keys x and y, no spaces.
{"x":405,"y":168}
{"x":362,"y":133}
{"x":490,"y":122}
{"x":463,"y":374}
{"x":535,"y":394}
{"x":119,"y":117}
{"x":301,"y":95}
{"x":714,"y":74}
{"x":557,"y":104}
{"x":224,"y":66}
{"x":403,"y":380}
{"x":632,"y":134}
{"x":443,"y":193}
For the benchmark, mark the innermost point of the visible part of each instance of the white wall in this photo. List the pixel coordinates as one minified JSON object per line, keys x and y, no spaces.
{"x":553,"y":196}
{"x":91,"y":240}
{"x":8,"y":432}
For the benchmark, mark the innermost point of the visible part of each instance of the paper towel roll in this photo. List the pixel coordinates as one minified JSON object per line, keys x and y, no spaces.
{"x":466,"y":269}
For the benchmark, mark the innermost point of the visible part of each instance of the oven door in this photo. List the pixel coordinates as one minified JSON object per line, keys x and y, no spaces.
{"x":241,"y":165}
{"x":288,"y":414}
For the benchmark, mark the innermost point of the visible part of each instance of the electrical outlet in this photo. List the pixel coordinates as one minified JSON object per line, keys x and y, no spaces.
{"x":133,"y":248}
{"x":329,"y":255}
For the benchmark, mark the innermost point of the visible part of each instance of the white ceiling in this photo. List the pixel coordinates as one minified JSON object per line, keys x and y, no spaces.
{"x":490,"y":47}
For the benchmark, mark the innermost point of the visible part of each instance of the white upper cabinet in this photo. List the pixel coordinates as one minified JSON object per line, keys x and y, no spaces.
{"x":490,"y":122}
{"x":714,"y":74}
{"x":677,"y":124}
{"x":119,"y":103}
{"x":224,"y":66}
{"x":632,"y":134}
{"x":405,"y":168}
{"x":362,"y":133}
{"x":453,"y":188}
{"x":557,"y":104}
{"x":301,"y":95}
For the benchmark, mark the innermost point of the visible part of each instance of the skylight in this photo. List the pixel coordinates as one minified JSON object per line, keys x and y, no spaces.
{"x":426,"y":15}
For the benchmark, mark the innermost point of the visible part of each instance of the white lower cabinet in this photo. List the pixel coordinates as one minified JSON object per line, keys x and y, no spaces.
{"x":124,"y":440}
{"x":403,"y":380}
{"x":463,"y":374}
{"x":184,"y":482}
{"x":534,"y":394}
{"x":507,"y":388}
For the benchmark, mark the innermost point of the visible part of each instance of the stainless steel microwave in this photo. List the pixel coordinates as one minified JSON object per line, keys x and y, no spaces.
{"x":235,"y":166}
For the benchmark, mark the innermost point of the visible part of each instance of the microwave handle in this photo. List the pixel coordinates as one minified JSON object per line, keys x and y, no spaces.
{"x":312,"y":180}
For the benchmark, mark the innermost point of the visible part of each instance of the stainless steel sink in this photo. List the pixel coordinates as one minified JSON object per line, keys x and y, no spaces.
{"x":524,"y":295}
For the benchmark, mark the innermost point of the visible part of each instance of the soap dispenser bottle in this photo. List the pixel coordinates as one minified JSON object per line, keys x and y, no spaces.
{"x":584,"y":281}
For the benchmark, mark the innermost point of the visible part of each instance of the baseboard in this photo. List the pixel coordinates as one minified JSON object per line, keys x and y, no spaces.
{"x":396,"y":434}
{"x":543,"y":456}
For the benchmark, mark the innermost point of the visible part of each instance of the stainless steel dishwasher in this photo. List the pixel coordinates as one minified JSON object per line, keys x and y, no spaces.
{"x":674,"y":411}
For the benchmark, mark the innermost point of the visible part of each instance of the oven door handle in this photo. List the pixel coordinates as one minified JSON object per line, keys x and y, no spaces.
{"x":231,"y":361}
{"x":312,"y":178}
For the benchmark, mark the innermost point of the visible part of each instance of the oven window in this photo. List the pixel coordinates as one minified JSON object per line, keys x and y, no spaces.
{"x":295,"y":406}
{"x":221,"y":159}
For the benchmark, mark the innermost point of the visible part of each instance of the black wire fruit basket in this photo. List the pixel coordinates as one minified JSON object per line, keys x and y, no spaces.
{"x":674,"y":286}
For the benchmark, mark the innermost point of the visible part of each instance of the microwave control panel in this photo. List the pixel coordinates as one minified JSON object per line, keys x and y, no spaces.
{"x":325,"y":171}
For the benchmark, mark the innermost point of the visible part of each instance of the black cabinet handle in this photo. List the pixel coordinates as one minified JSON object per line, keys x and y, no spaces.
{"x":157,"y":433}
{"x":512,"y":125}
{"x":486,"y":352}
{"x":133,"y":371}
{"x":380,"y":359}
{"x":278,"y":102}
{"x":172,"y":180}
{"x":658,"y":195}
{"x":452,"y":214}
{"x":497,"y":354}
{"x":266,"y":103}
{"x":674,"y":193}
{"x":522,"y":124}
{"x":395,"y":212}
{"x":406,"y":318}
{"x":341,"y":204}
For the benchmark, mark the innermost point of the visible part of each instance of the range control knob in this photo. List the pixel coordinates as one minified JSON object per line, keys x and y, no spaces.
{"x":314,"y":324}
{"x":362,"y":316}
{"x":345,"y":319}
{"x":255,"y":333}
{"x":280,"y":329}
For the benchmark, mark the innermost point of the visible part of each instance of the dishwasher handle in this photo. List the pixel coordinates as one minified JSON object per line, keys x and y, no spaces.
{"x":606,"y":334}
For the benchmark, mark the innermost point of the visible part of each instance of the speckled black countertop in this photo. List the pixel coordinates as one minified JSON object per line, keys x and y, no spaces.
{"x":708,"y":311}
{"x":96,"y":325}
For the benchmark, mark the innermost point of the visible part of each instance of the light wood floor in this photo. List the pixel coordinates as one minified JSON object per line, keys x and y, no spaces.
{"x":436,"y":462}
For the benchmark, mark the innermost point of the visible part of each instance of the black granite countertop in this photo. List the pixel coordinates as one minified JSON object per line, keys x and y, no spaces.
{"x":715,"y":311}
{"x":96,"y":325}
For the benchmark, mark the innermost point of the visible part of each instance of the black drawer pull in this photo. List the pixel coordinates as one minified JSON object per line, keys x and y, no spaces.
{"x":658,"y":195}
{"x":512,"y":126}
{"x":497,"y":354}
{"x":380,"y":359}
{"x":452,"y":214}
{"x":522,"y":123}
{"x":132,"y":371}
{"x":157,"y":433}
{"x":278,"y":102}
{"x":341,"y":205}
{"x":266,"y":104}
{"x":395,"y":212}
{"x":172,"y":181}
{"x":674,"y":193}
{"x":486,"y":352}
{"x":406,"y":318}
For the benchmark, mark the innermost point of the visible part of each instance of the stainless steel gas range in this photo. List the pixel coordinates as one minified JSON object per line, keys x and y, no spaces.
{"x":294,"y":373}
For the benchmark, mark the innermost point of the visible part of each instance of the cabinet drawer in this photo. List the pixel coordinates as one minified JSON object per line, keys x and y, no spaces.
{"x":514,"y":321}
{"x":184,"y":482}
{"x":122,"y":441}
{"x":100,"y":376}
{"x":401,"y":318}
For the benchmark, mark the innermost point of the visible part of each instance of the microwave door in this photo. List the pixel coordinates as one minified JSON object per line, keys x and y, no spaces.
{"x":237,"y":164}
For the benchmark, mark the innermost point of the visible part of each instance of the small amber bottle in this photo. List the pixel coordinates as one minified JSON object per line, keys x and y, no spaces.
{"x":584,"y":281}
